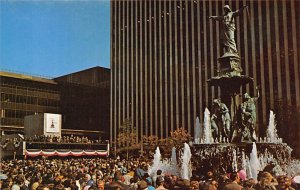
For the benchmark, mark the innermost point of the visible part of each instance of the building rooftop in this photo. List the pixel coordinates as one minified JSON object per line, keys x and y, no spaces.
{"x":26,"y":77}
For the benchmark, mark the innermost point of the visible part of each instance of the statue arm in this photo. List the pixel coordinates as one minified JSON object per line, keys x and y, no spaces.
{"x":224,"y":108}
{"x":239,"y":12}
{"x":258,"y":94}
{"x":218,"y":18}
{"x":213,"y":116}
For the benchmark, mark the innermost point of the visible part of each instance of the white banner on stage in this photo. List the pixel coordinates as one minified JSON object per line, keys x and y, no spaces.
{"x":52,"y":123}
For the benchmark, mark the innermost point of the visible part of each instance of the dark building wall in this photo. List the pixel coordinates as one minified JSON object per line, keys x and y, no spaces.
{"x":85,"y":108}
{"x":85,"y":100}
{"x":96,"y":76}
{"x":163,"y":53}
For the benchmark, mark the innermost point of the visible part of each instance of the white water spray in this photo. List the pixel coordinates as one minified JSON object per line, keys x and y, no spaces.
{"x":186,"y":171}
{"x":272,"y":136}
{"x":234,"y":163}
{"x":254,"y":162}
{"x":165,"y":165}
{"x":156,"y":163}
{"x":197,"y":133}
{"x":173,"y":157}
{"x":207,"y":127}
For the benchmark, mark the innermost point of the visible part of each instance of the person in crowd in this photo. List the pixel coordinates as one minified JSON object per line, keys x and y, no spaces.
{"x":5,"y":185}
{"x":127,"y":177}
{"x":18,"y":183}
{"x":100,"y":184}
{"x":284,"y":183}
{"x":160,"y":183}
{"x":209,"y":187}
{"x":142,"y":185}
{"x":249,"y":184}
{"x":154,"y":177}
{"x":36,"y":182}
{"x":118,"y":181}
{"x":234,"y":184}
{"x":140,"y":171}
{"x":266,"y":182}
{"x":134,"y":182}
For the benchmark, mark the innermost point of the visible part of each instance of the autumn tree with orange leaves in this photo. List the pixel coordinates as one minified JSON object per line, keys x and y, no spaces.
{"x":179,"y":137}
{"x":127,"y":137}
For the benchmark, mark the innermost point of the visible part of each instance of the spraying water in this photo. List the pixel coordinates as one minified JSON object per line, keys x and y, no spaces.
{"x":272,"y":136}
{"x":244,"y":162}
{"x":248,"y":171}
{"x":207,"y":127}
{"x":165,"y":165}
{"x":234,"y":163}
{"x":197,"y":133}
{"x":254,"y":162}
{"x":186,"y":171}
{"x":156,"y":163}
{"x":173,"y":157}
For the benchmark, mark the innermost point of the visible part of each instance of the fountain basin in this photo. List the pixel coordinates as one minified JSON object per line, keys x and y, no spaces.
{"x":219,"y":157}
{"x":227,"y":80}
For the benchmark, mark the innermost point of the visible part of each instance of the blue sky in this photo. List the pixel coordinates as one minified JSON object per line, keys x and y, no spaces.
{"x":54,"y":37}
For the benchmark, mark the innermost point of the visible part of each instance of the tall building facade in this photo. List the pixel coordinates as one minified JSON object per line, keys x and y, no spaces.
{"x":163,"y":53}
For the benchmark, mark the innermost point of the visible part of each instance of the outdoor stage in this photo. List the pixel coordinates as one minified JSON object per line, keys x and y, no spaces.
{"x":33,"y":149}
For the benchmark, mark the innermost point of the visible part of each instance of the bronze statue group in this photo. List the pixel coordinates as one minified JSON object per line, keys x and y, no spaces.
{"x":243,"y":126}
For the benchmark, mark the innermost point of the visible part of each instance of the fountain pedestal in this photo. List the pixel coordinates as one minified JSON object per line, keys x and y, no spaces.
{"x":230,"y":64}
{"x":230,"y":80}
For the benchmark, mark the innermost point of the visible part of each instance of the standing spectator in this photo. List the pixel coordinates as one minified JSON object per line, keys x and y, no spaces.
{"x":100,"y":184}
{"x":266,"y":182}
{"x":284,"y":183}
{"x":155,"y":177}
{"x":234,"y":184}
{"x":36,"y":182}
{"x":249,"y":184}
{"x":142,"y":185}
{"x":127,"y":177}
{"x":160,"y":183}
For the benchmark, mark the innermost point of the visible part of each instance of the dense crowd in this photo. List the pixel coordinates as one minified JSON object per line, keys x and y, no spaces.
{"x":107,"y":173}
{"x":62,"y":139}
{"x":48,"y":139}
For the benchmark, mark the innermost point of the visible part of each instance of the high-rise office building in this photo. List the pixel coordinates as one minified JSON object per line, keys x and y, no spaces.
{"x":163,"y":53}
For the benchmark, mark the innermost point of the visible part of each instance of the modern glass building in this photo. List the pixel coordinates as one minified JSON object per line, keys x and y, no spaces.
{"x":163,"y":53}
{"x":23,"y":95}
{"x":82,"y":98}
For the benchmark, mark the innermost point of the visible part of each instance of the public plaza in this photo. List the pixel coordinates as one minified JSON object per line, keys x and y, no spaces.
{"x":199,"y":95}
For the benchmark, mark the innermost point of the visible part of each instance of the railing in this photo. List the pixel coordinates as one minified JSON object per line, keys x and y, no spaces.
{"x":55,"y":145}
{"x":32,"y":149}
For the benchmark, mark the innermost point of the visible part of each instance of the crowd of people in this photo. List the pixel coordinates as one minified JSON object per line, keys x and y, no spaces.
{"x":48,"y":139}
{"x":62,"y":139}
{"x":107,"y":173}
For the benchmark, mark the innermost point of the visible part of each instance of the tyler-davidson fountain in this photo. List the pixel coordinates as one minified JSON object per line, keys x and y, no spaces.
{"x":229,"y":140}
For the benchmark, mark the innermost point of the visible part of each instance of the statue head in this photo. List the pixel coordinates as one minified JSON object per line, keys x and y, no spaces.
{"x":246,"y":96}
{"x":226,"y":9}
{"x":216,"y":101}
